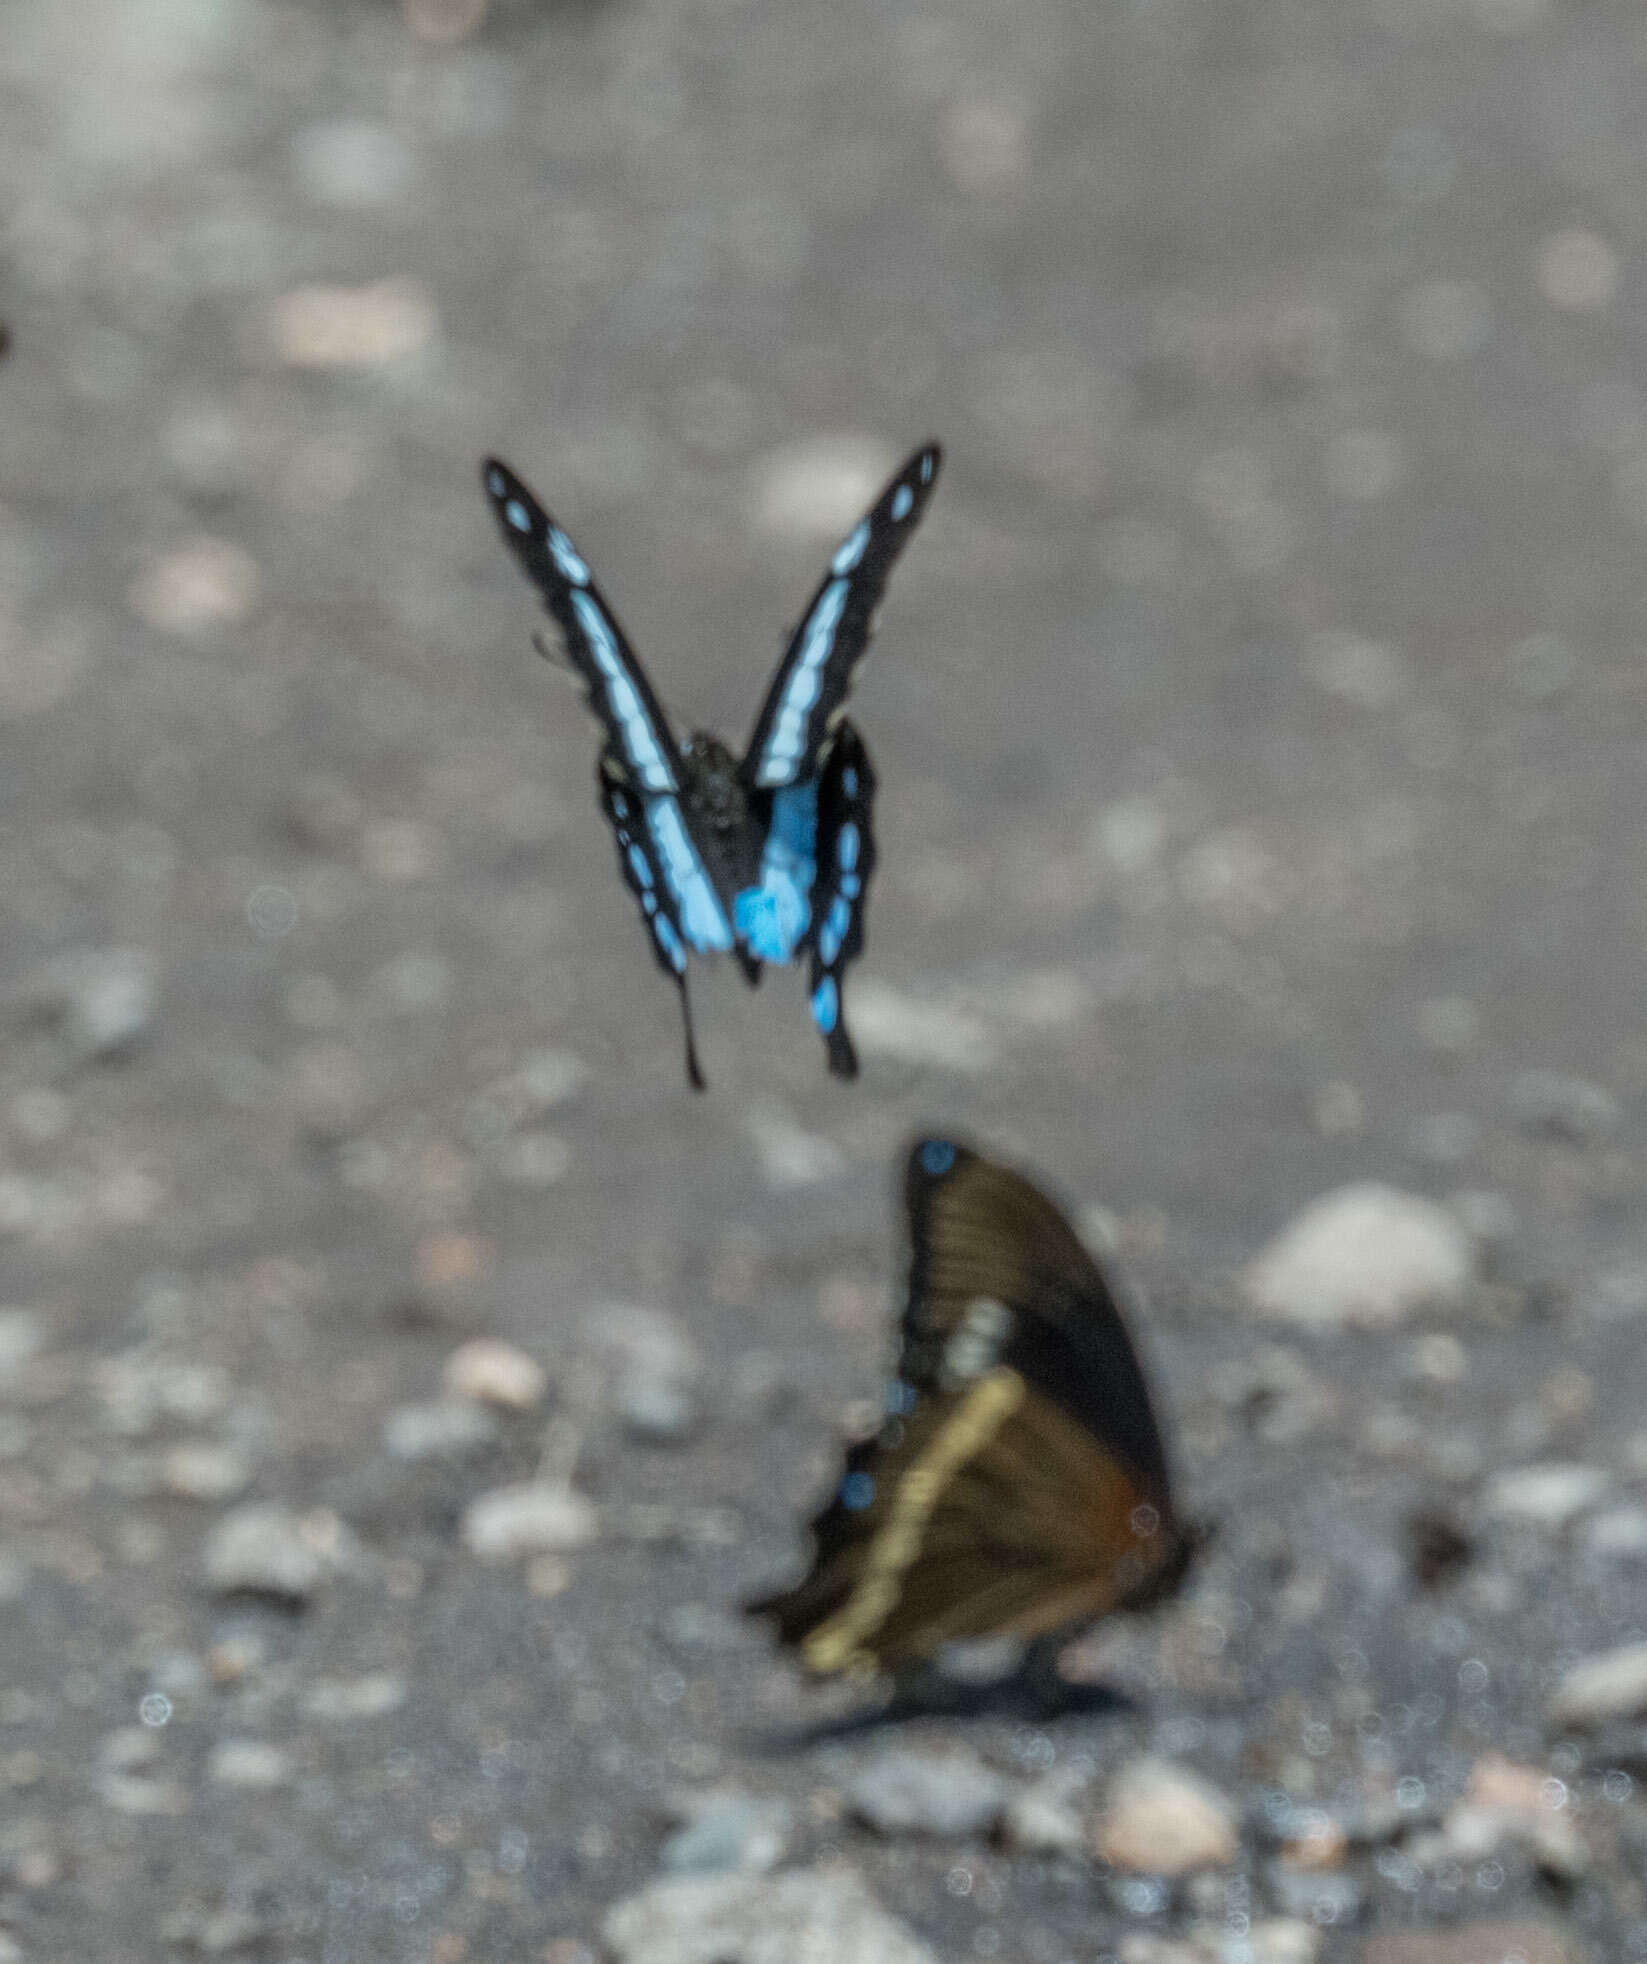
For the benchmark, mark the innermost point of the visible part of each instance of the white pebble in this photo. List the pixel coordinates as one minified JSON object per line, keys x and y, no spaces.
{"x":531,"y":1518}
{"x":1163,"y":1819}
{"x":1365,"y":1256}
{"x":488,"y":1371}
{"x":1611,"y":1685}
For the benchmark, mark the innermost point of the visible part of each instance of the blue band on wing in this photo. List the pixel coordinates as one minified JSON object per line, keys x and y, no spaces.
{"x":789,"y":732}
{"x":702,"y":918}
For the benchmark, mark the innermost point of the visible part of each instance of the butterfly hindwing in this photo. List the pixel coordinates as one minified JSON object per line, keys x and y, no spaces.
{"x":1018,"y":1484}
{"x":840,"y":889}
{"x":613,"y":680}
{"x":815,"y":672}
{"x":646,"y":878}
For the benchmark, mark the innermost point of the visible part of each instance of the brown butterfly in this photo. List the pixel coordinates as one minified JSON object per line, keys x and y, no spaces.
{"x":1018,"y":1484}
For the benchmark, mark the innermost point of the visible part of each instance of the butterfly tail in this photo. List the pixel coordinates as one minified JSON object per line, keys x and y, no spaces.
{"x":694,"y":1070}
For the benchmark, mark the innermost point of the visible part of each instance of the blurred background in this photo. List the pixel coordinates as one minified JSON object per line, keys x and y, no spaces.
{"x":1260,"y":716}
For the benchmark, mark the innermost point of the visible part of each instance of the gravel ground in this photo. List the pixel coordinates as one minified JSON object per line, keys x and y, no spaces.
{"x":1260,"y":718}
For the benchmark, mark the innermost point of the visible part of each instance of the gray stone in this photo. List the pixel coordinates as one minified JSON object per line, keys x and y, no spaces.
{"x":352,"y":163}
{"x":724,"y":1833}
{"x":1547,"y":1496}
{"x":1365,"y":1256}
{"x":1610,"y":1685}
{"x":267,"y":1550}
{"x":1618,"y":1535}
{"x":533,"y":1517}
{"x":22,"y":1338}
{"x":335,"y":1701}
{"x":823,"y":1917}
{"x":902,"y":1791}
{"x":1325,"y":1897}
{"x":201,"y":1469}
{"x":1041,"y":1820}
{"x":445,"y":1428}
{"x":104,"y":999}
{"x":655,"y":1370}
{"x":252,"y":1764}
{"x":1565,"y":1107}
{"x":1164,"y":1819}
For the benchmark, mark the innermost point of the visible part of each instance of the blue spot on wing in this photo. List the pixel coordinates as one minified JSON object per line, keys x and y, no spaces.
{"x":857,"y":1491}
{"x":937,"y":1156}
{"x":902,"y":499}
{"x":826,"y":1005}
{"x":852,"y":550}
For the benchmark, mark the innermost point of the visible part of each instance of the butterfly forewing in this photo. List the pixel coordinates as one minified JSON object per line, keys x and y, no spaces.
{"x":815,"y":672}
{"x":1018,"y":1484}
{"x":614,"y":681}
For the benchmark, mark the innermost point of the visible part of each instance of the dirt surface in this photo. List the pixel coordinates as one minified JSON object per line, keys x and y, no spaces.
{"x":1261,"y":720}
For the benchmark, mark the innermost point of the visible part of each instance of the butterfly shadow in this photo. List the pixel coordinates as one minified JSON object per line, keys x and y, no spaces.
{"x":1033,"y":1693}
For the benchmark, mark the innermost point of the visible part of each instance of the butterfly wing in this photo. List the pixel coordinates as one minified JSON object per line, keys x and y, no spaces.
{"x":816,"y":670}
{"x":845,"y":864}
{"x":641,"y":776}
{"x":1019,"y":1483}
{"x":613,"y":680}
{"x":817,"y":856}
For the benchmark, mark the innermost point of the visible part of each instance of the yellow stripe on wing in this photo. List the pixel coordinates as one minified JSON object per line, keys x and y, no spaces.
{"x":838,"y":1644}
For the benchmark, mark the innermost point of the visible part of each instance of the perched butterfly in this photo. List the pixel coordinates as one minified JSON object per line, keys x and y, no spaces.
{"x":768,"y":858}
{"x":1018,"y":1485}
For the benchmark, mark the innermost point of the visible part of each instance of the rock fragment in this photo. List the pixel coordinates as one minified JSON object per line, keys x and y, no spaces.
{"x":446,"y":1428}
{"x":1364,"y":1256}
{"x":902,"y":1791}
{"x":268,"y":1550}
{"x":533,"y":1517}
{"x":823,"y":1916}
{"x":1610,"y":1685}
{"x":488,"y":1371}
{"x":1162,"y":1819}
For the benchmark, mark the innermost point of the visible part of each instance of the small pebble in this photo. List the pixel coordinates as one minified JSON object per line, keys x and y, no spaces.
{"x":531,"y":1518}
{"x":22,"y":1338}
{"x":1475,"y":1942}
{"x":1040,"y":1820}
{"x":335,"y":1701}
{"x":655,"y":1370}
{"x":824,"y":1916}
{"x":1564,"y":1107}
{"x":1618,"y":1535}
{"x":1610,"y":1685}
{"x":725,"y":1833}
{"x":353,"y":327}
{"x":918,"y":1031}
{"x":352,"y":164}
{"x":1162,"y":1819}
{"x":253,"y":1764}
{"x":274,"y":1551}
{"x":196,"y":587}
{"x":488,"y":1371}
{"x":1364,"y":1256}
{"x":447,"y":1428}
{"x":104,"y":999}
{"x":1546,"y":1496}
{"x":201,"y":1469}
{"x":903,"y":1791}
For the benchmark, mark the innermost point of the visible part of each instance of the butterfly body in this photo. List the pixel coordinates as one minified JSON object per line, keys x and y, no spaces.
{"x":766,"y":856}
{"x":1018,"y":1484}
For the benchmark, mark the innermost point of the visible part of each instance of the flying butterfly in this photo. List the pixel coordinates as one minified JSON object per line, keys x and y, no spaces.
{"x":1018,"y":1485}
{"x":767,"y":857}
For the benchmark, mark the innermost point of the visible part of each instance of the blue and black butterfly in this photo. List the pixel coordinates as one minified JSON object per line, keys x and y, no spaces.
{"x":768,"y":858}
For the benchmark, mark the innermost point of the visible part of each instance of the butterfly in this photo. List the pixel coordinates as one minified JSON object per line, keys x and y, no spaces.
{"x":1018,"y":1485}
{"x":769,"y":856}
